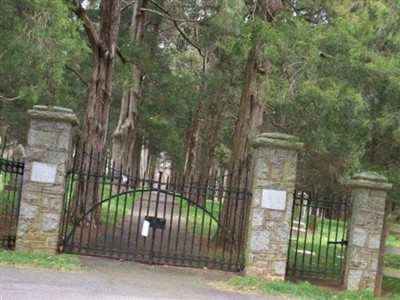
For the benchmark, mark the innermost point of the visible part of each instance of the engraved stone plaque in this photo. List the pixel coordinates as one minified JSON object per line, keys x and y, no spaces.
{"x":273,"y":199}
{"x":45,"y":173}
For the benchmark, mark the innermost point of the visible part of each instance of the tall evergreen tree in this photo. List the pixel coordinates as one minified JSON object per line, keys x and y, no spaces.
{"x":37,"y":40}
{"x":103,"y":43}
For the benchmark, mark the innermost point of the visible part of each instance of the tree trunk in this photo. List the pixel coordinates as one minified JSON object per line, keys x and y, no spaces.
{"x":248,"y":124}
{"x":125,"y":133}
{"x":95,"y":122}
{"x":3,"y":129}
{"x":374,"y":143}
{"x":192,"y":137}
{"x":136,"y":157}
{"x":152,"y":168}
{"x":251,"y":112}
{"x":208,"y":140}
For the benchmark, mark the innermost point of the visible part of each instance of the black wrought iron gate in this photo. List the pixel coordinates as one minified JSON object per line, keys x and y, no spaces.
{"x":11,"y":172}
{"x":318,"y":237}
{"x":155,"y":220}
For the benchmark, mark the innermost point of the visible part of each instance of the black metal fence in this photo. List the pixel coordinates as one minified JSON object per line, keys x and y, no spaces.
{"x":10,"y":193}
{"x":155,"y":220}
{"x":318,"y":237}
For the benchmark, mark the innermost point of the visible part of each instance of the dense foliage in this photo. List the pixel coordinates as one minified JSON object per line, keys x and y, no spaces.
{"x":328,"y":72}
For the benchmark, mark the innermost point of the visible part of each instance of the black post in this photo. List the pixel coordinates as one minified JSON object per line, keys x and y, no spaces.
{"x":155,"y":216}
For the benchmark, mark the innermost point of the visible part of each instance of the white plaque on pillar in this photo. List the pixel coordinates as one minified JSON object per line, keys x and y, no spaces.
{"x":273,"y":199}
{"x":45,"y":173}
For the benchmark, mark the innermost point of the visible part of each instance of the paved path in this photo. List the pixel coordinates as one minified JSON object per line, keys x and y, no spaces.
{"x":111,"y":279}
{"x":180,"y":243}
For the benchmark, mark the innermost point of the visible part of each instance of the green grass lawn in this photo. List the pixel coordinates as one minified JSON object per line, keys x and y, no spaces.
{"x":305,"y":290}
{"x":393,"y":239}
{"x":8,"y":197}
{"x":316,"y":254}
{"x":391,"y":286}
{"x":64,"y":262}
{"x":202,"y":221}
{"x":116,"y":204}
{"x":113,"y":206}
{"x":301,"y":290}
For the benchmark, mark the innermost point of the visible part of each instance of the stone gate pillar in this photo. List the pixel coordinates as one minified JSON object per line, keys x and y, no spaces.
{"x":273,"y":185}
{"x":365,"y":224}
{"x":47,"y":153}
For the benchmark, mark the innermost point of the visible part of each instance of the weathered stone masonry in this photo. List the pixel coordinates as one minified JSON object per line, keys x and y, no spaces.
{"x":367,"y":210}
{"x":47,"y":154}
{"x":274,"y":177}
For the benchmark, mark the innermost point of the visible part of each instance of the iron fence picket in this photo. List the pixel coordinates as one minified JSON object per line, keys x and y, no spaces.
{"x":171,"y":221}
{"x":11,"y":175}
{"x":194,"y":232}
{"x":164,"y":213}
{"x":319,"y":247}
{"x":314,"y":226}
{"x":212,"y":211}
{"x":236,"y":200}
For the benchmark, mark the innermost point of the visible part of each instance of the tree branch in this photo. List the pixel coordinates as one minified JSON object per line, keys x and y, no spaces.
{"x":73,"y":70}
{"x":178,"y":28}
{"x":170,"y":17}
{"x":9,"y":99}
{"x":125,"y":60}
{"x":80,"y":12}
{"x":194,"y":69}
{"x":126,"y":6}
{"x":169,"y":53}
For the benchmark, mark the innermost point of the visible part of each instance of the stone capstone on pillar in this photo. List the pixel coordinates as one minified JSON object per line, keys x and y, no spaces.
{"x":53,"y":113}
{"x":277,"y":141}
{"x":371,"y":181}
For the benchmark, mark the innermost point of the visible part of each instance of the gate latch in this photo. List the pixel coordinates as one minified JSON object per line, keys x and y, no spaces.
{"x":342,"y":242}
{"x":157,"y":223}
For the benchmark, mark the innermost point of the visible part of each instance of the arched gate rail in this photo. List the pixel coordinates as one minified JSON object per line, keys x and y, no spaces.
{"x":156,"y":221}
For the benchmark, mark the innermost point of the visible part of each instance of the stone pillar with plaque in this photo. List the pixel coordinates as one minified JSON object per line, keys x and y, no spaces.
{"x":273,"y":185}
{"x":47,"y":154}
